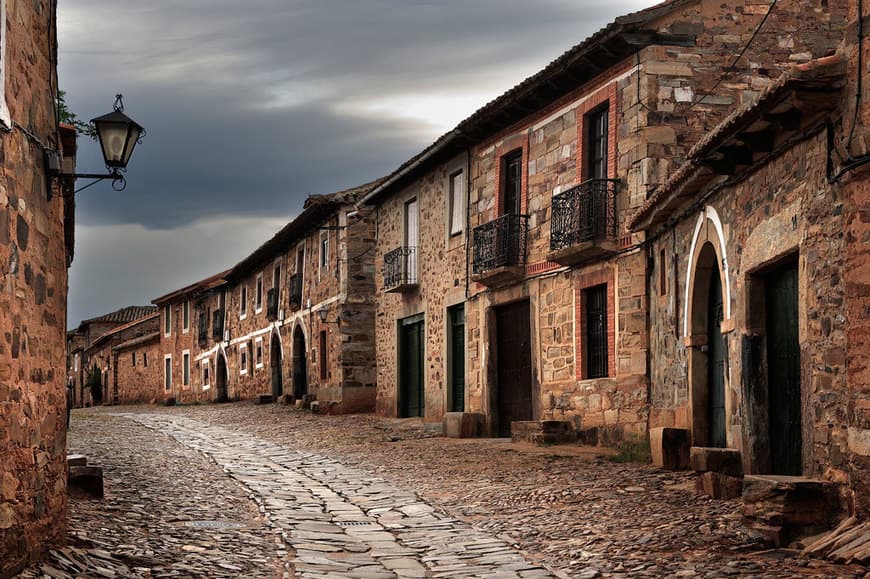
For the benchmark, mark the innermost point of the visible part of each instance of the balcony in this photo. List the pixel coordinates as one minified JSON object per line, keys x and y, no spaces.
{"x":202,"y":336}
{"x":583,"y":224}
{"x":296,"y":291}
{"x":500,"y":250}
{"x":217,"y":326}
{"x":272,"y":305}
{"x":400,"y":269}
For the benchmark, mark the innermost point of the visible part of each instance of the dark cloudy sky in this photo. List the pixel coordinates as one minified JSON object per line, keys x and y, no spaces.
{"x":250,"y":105}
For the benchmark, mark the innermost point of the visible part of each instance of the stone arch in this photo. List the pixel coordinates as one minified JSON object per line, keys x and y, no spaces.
{"x":707,"y":314}
{"x":222,"y":376}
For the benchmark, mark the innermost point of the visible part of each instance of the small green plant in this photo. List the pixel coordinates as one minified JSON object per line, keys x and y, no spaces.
{"x":67,"y":116}
{"x":633,"y":449}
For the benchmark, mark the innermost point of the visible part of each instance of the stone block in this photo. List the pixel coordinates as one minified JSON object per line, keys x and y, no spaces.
{"x":722,"y":460}
{"x":264,"y":399}
{"x":87,"y":480}
{"x":543,"y":432}
{"x":783,"y":509}
{"x":463,"y":425}
{"x":670,"y":448}
{"x":76,"y":460}
{"x":719,"y":486}
{"x":170,"y":401}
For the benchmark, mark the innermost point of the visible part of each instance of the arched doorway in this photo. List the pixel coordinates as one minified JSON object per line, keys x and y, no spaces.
{"x":221,"y":394}
{"x":708,"y":355}
{"x":275,"y":364}
{"x":300,"y":364}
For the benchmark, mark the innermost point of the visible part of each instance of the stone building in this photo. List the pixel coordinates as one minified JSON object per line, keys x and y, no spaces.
{"x":299,"y":312}
{"x":81,"y":338}
{"x":529,"y":301}
{"x":759,"y":298}
{"x":185,"y":317}
{"x":102,"y":357}
{"x":36,"y":247}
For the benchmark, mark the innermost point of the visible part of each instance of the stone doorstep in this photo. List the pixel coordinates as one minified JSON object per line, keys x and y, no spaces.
{"x":784,"y":509}
{"x":463,"y":425}
{"x":543,"y":432}
{"x":264,"y":399}
{"x":670,"y":448}
{"x":76,"y":460}
{"x":727,"y":461}
{"x":87,"y":479}
{"x":719,"y":486}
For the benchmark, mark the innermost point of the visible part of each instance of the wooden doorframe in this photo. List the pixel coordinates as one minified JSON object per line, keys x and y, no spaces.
{"x":400,"y":362}
{"x":491,"y":400}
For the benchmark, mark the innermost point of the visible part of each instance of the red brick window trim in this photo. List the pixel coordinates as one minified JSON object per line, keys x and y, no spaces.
{"x":605,"y":96}
{"x":582,"y":283}
{"x":511,"y":145}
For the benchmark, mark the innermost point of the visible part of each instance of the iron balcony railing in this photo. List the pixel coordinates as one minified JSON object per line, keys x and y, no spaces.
{"x":296,"y":290}
{"x":584,"y":213}
{"x":500,"y":243}
{"x":203,"y":330}
{"x":217,"y":325}
{"x":272,"y":304}
{"x":400,"y":268}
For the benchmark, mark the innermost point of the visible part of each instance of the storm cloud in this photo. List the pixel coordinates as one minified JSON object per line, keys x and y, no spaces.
{"x":250,"y":106}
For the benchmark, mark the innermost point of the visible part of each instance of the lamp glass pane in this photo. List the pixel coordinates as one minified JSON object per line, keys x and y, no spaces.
{"x":113,"y":138}
{"x":132,"y":138}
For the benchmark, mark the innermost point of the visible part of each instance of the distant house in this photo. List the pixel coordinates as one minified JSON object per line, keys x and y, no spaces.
{"x":80,"y":340}
{"x":294,"y":318}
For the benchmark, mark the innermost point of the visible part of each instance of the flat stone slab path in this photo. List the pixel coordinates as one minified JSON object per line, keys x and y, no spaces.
{"x":338,"y":521}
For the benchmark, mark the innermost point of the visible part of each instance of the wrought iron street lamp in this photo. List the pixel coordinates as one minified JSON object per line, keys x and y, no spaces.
{"x":322,"y":314}
{"x":118,"y":135}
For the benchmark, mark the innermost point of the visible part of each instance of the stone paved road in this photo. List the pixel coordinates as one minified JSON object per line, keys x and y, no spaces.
{"x":240,"y":490}
{"x":339,"y":521}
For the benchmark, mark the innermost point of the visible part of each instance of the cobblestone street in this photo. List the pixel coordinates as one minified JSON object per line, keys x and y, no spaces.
{"x":267,"y":491}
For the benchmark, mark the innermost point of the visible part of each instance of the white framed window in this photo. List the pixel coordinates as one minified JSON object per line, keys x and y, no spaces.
{"x":258,"y":353}
{"x":276,"y":275}
{"x":243,"y":359}
{"x":324,"y":252}
{"x":456,"y":199}
{"x":185,"y":368}
{"x":167,"y":320}
{"x":206,"y":375}
{"x":243,"y":302}
{"x":185,"y":317}
{"x":258,"y":294}
{"x":76,"y":363}
{"x":167,"y":372}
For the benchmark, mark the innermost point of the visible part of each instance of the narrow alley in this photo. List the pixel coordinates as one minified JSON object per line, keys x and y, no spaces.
{"x":210,"y":491}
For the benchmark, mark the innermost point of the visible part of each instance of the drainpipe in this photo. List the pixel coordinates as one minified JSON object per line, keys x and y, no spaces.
{"x":467,"y":220}
{"x":650,"y":256}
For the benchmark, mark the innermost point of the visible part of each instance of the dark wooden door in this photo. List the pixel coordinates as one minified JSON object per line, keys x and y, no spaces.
{"x":411,"y":353}
{"x":716,"y":364}
{"x":514,"y":359}
{"x":784,"y":373}
{"x":221,"y":379}
{"x":275,"y":365}
{"x":456,"y":357}
{"x":300,"y":365}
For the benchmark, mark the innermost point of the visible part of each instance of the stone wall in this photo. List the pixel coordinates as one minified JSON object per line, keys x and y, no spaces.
{"x":174,"y":344}
{"x":138,"y":371}
{"x":33,"y":292}
{"x":441,"y":274}
{"x":784,"y":210}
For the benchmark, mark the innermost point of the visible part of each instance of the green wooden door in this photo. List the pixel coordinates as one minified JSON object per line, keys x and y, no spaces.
{"x":716,"y":364}
{"x":456,"y":357}
{"x":783,"y":371}
{"x":411,"y":352}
